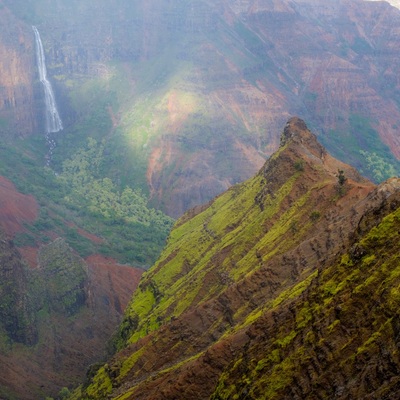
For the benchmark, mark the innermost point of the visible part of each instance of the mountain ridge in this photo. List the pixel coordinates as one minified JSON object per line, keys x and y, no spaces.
{"x":169,"y":104}
{"x":202,"y":306}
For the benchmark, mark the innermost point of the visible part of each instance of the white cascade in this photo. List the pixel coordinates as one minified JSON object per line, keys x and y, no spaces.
{"x":53,"y":120}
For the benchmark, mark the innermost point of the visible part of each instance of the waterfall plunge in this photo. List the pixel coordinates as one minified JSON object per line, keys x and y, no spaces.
{"x":53,"y":120}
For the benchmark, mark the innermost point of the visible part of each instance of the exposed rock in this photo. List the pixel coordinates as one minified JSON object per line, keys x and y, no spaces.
{"x":17,"y":317}
{"x":289,"y":296}
{"x":18,"y":97}
{"x":57,"y":311}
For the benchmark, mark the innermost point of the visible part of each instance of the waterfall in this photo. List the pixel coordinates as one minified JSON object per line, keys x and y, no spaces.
{"x":53,"y":120}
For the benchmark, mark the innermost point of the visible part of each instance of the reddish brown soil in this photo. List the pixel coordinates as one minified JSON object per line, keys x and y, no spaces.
{"x":29,"y":254}
{"x":66,"y":346}
{"x":86,"y":234}
{"x":119,"y":281}
{"x":15,"y":208}
{"x":206,"y":326}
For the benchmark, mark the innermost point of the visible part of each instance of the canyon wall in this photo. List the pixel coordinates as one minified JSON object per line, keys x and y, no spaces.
{"x":192,"y":95}
{"x":57,"y":310}
{"x":19,"y":97}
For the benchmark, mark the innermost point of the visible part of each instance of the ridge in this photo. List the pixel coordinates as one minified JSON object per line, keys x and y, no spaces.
{"x":245,"y":273}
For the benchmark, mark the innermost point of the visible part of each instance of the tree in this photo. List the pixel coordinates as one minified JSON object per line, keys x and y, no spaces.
{"x":341,"y":178}
{"x":341,"y":181}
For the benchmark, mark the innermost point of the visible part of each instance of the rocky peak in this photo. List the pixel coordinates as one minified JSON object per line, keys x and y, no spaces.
{"x":296,"y":131}
{"x":389,"y":187}
{"x":302,"y":146}
{"x":269,"y":247}
{"x":301,"y":153}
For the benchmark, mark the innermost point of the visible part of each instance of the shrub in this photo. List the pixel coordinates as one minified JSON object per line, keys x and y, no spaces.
{"x":315,"y":216}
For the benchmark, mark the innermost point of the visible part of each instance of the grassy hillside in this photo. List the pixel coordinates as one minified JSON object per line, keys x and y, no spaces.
{"x":340,"y":327}
{"x":275,"y":277}
{"x":80,"y":199}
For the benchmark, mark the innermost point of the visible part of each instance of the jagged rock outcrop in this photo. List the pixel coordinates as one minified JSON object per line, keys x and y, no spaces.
{"x":285,"y":286}
{"x":66,"y":276}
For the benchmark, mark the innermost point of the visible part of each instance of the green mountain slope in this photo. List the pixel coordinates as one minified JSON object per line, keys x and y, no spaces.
{"x":282,"y":287}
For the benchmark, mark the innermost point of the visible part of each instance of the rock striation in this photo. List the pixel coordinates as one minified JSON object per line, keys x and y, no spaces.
{"x":191,"y":95}
{"x":18,"y":108}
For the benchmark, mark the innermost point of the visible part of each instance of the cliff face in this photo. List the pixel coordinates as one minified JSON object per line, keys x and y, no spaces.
{"x":57,"y":310}
{"x":338,"y":65}
{"x":269,"y":291}
{"x":18,"y":99}
{"x":58,"y":319}
{"x":17,"y":316}
{"x":192,"y":95}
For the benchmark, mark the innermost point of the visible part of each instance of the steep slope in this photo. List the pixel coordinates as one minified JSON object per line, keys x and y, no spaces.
{"x":19,"y":108}
{"x":271,"y":279}
{"x":16,"y":208}
{"x":58,"y":319}
{"x":57,"y":310}
{"x":339,"y":338}
{"x":173,"y":86}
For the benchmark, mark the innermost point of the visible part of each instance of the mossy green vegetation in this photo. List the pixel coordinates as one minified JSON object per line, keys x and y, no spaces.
{"x":378,"y":167}
{"x":216,"y":248}
{"x":364,"y":149}
{"x":126,"y":211}
{"x":236,"y":273}
{"x":188,"y":265}
{"x":81,"y":196}
{"x":65,"y":275}
{"x":354,"y":291}
{"x":101,"y":386}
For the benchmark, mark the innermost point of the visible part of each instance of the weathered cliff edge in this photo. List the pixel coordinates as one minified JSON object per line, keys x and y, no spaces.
{"x":20,"y":104}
